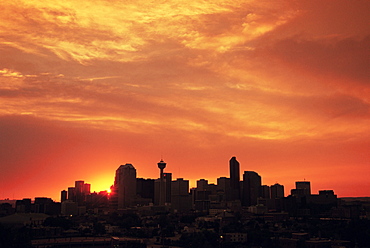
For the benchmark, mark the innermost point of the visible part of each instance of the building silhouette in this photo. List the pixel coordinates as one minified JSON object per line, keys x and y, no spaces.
{"x":71,"y":194}
{"x":277,"y":191}
{"x":145,"y":188}
{"x":180,"y":198}
{"x":202,"y":184}
{"x":63,"y":195}
{"x":265,"y":192}
{"x":251,"y":188}
{"x":224,"y":188}
{"x":234,"y":179}
{"x":167,"y":178}
{"x":162,"y":186}
{"x":302,"y":188}
{"x":125,"y":186}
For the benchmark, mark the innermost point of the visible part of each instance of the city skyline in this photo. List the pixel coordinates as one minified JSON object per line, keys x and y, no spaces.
{"x":282,"y":85}
{"x":126,"y":179}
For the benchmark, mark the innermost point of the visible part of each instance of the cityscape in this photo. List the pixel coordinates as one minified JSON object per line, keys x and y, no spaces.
{"x":238,"y":211}
{"x":184,"y":124}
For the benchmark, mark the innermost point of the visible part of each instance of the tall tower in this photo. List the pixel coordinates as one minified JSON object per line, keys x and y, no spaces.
{"x":162,"y":188}
{"x":125,"y":185}
{"x":161,"y":166}
{"x":234,"y":179}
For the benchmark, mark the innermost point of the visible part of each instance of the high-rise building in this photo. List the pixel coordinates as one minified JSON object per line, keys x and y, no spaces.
{"x":277,"y":191}
{"x":180,"y":187}
{"x":303,"y":187}
{"x":72,"y":194}
{"x":202,"y":184}
{"x":167,"y":178}
{"x":180,"y":197}
{"x":80,"y":196}
{"x":223,"y":186}
{"x":265,"y":191}
{"x":63,"y":195}
{"x":86,"y":188}
{"x":79,"y":185}
{"x":234,"y":179}
{"x":145,"y":188}
{"x":125,"y":185}
{"x":251,"y":188}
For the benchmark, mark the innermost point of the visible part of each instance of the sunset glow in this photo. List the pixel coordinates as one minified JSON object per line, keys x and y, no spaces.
{"x":88,"y":86}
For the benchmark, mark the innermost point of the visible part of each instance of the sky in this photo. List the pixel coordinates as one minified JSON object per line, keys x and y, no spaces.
{"x":86,"y":86}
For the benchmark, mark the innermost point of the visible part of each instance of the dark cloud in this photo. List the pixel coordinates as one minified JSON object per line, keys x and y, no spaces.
{"x":347,"y":58}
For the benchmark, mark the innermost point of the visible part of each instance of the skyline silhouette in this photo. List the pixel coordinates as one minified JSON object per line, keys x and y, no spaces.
{"x":233,"y":180}
{"x":235,"y":176}
{"x":142,"y":212}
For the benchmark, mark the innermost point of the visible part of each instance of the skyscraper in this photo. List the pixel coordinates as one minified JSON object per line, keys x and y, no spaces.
{"x":79,"y":186}
{"x":125,"y":185}
{"x":167,"y":178}
{"x":72,"y":194}
{"x":304,"y":187}
{"x":251,"y":188}
{"x":145,"y":188}
{"x":265,"y":192}
{"x":234,"y":179}
{"x":63,"y":195}
{"x":223,"y":187}
{"x":202,"y":184}
{"x":180,"y":198}
{"x":277,"y":191}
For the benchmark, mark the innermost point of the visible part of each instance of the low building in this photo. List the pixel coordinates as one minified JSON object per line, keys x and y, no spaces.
{"x":235,"y":237}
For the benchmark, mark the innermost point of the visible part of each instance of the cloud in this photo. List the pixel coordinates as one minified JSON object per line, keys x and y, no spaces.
{"x":343,"y":58}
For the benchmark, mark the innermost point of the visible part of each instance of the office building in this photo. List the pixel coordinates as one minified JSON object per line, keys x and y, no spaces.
{"x":202,"y":184}
{"x":234,"y":179}
{"x":265,"y":191}
{"x":72,"y":194}
{"x":63,"y":195}
{"x":303,"y":187}
{"x":180,"y":197}
{"x":145,"y":188}
{"x":167,"y":178}
{"x":277,"y":191}
{"x":125,"y":186}
{"x":224,"y":188}
{"x":251,"y":188}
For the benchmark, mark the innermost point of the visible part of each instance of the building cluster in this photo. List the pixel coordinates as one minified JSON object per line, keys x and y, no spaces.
{"x":78,"y":199}
{"x":237,"y":209}
{"x":236,"y":193}
{"x":230,"y":193}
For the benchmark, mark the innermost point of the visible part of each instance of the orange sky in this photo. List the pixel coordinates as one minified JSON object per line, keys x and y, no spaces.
{"x":88,"y":85}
